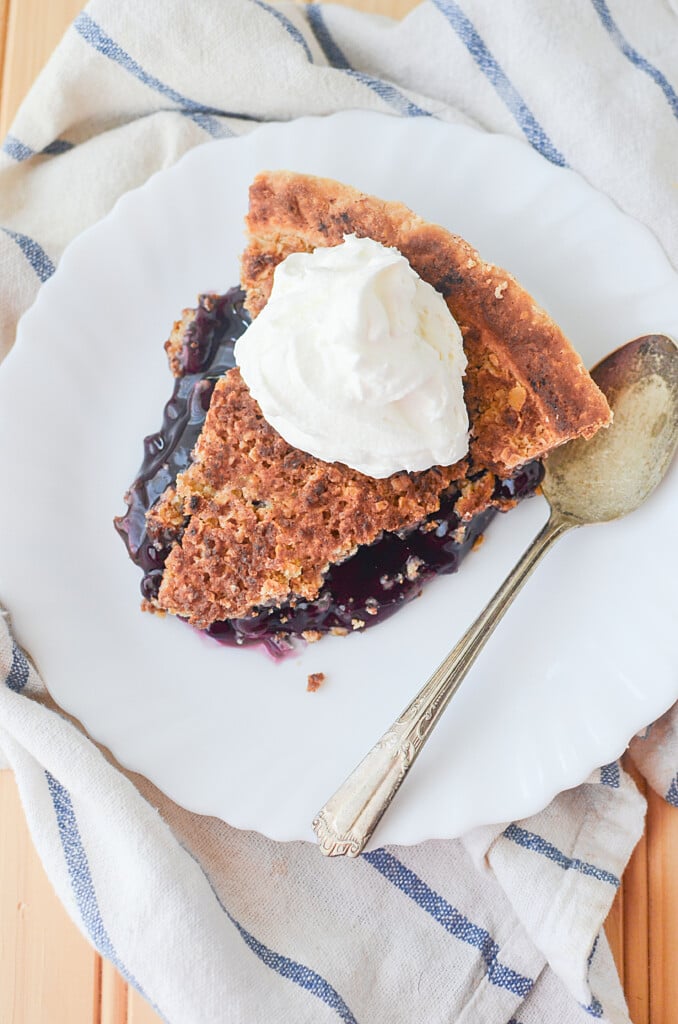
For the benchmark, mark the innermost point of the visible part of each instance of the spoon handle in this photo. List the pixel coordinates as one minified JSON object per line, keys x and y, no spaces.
{"x":348,"y":819}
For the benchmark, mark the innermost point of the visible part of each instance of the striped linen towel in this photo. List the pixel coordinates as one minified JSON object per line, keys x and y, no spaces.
{"x":210,"y":923}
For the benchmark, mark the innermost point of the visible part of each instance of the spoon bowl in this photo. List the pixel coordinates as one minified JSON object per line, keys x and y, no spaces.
{"x":585,"y":482}
{"x":616,"y":470}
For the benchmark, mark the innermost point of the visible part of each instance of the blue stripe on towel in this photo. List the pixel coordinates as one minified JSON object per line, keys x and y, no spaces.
{"x":594,"y":1009}
{"x":672,"y":793}
{"x":85,"y":897}
{"x":289,"y":27}
{"x":216,"y":128}
{"x":57,"y":147}
{"x":337,"y":58}
{"x":594,"y":947}
{"x":81,"y":878}
{"x":19,"y":151}
{"x":531,"y":841}
{"x":18,"y":673}
{"x":330,"y":48}
{"x":301,"y":975}
{"x":528,"y":124}
{"x":389,"y":94}
{"x":34,"y":253}
{"x":92,"y":33}
{"x":610,"y":775}
{"x":631,"y":54}
{"x":296,"y":972}
{"x":451,"y":919}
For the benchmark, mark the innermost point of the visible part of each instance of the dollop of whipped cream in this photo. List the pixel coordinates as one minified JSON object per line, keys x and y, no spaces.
{"x":355,"y":359}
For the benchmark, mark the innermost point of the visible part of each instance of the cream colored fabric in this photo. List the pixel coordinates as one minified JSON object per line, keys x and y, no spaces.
{"x":217,"y":925}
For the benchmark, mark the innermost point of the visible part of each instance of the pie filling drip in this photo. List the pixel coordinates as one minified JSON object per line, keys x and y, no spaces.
{"x":365,"y":589}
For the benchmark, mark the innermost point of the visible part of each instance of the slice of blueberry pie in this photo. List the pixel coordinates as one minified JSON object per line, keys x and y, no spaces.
{"x":344,"y":426}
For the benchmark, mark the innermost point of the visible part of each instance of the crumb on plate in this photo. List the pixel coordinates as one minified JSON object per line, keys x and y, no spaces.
{"x":315,"y":681}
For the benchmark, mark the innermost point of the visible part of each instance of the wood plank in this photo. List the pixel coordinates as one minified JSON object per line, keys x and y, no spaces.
{"x":4,"y":18}
{"x":34,"y":27}
{"x":662,"y":847}
{"x":113,"y":995}
{"x":636,"y":937}
{"x":47,"y":969}
{"x":391,"y":8}
{"x":138,"y":1010}
{"x":614,"y":929}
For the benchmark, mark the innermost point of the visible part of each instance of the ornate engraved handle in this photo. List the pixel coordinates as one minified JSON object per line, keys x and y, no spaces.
{"x":348,"y":819}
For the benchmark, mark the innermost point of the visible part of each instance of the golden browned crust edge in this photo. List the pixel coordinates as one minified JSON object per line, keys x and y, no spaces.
{"x":527,"y":390}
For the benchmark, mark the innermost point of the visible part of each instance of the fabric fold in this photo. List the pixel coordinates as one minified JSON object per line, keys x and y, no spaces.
{"x":212,"y":924}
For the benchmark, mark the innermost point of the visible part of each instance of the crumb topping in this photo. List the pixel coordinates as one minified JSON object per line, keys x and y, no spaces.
{"x":261,"y":522}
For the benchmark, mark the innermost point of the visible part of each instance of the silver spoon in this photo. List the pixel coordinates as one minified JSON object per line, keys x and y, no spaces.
{"x":585,"y":482}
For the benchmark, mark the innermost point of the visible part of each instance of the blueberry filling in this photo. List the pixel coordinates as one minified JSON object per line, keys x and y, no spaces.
{"x":207,"y":354}
{"x":365,"y":589}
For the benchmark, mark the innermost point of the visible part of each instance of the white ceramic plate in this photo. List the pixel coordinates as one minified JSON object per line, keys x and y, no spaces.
{"x":586,"y":656}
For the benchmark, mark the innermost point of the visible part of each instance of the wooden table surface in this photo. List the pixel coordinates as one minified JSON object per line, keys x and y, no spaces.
{"x":49,"y":974}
